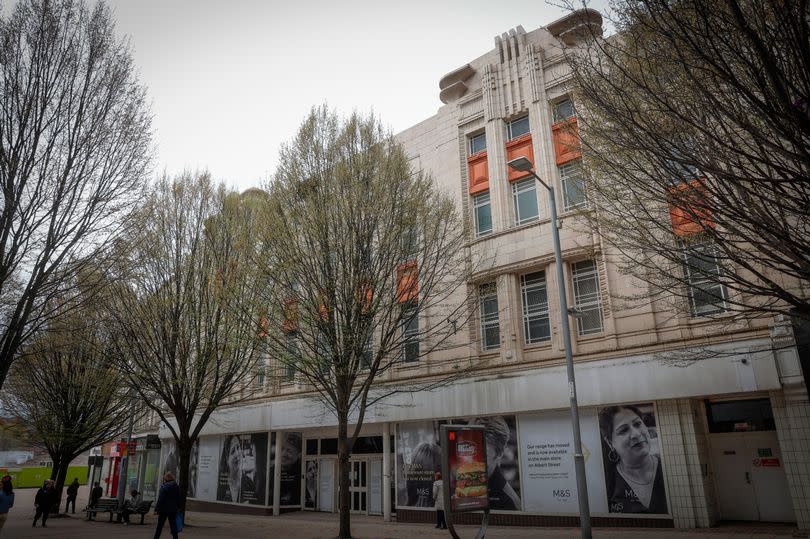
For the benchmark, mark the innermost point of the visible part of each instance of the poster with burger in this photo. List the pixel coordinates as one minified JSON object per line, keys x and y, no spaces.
{"x":467,"y":467}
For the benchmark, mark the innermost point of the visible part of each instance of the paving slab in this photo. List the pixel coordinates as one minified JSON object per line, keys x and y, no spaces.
{"x":301,"y":525}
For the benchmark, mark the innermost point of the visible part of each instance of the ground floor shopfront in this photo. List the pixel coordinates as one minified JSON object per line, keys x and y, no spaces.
{"x":665,"y":445}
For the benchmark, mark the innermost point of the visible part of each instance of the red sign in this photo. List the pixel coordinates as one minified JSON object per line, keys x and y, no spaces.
{"x":467,"y":469}
{"x":770,"y":463}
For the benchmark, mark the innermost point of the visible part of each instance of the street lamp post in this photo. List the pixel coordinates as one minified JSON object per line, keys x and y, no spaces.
{"x":522,"y":164}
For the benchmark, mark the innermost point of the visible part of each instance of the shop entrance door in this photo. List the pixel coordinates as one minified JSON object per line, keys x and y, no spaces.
{"x":375,"y":487}
{"x":326,"y":485}
{"x":358,"y":486}
{"x":748,"y":468}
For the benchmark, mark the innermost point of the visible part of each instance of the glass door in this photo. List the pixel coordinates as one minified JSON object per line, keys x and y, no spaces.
{"x":358,"y":489}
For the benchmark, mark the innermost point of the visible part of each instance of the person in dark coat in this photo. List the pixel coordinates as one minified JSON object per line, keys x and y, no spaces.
{"x":96,"y":494}
{"x":72,"y":492}
{"x":45,"y":498}
{"x":168,"y":504}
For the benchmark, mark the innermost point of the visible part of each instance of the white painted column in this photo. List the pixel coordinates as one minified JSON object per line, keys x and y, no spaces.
{"x":277,"y":476}
{"x":386,"y":464}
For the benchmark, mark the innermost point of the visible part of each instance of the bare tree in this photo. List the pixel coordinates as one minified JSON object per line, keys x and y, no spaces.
{"x":75,"y":144}
{"x":367,"y":269}
{"x":70,"y":394}
{"x":186,"y":317}
{"x":696,"y":124}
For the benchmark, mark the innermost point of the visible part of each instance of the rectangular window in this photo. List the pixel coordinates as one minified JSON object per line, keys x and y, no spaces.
{"x":535,"y":307}
{"x":293,"y":355}
{"x":490,"y":325}
{"x":702,"y":271}
{"x":587,"y":299}
{"x":573,"y":186}
{"x":478,"y":144}
{"x":483,"y":214}
{"x":524,"y":194}
{"x":517,"y":128}
{"x":563,"y":110}
{"x":410,"y":333}
{"x":260,"y":374}
{"x":368,"y":355}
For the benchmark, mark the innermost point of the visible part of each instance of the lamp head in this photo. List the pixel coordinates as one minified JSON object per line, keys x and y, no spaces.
{"x":521,"y":164}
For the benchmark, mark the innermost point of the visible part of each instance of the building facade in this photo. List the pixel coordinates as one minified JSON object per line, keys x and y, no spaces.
{"x":686,"y":418}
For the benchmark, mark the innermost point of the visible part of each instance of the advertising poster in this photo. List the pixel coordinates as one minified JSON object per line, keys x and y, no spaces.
{"x":290,"y":494}
{"x":169,"y":461}
{"x":633,"y":470}
{"x":207,"y":468}
{"x":242,"y":469}
{"x":419,"y":458}
{"x":547,"y":462}
{"x":467,"y":468}
{"x":311,"y":485}
{"x":193,"y":469}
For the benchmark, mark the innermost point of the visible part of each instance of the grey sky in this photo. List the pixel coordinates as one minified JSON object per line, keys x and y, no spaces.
{"x":230,"y":81}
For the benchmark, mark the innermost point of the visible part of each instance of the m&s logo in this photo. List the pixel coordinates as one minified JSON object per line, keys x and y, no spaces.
{"x":561,"y":493}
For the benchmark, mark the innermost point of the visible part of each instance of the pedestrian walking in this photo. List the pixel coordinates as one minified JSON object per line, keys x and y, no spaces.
{"x":438,"y":501}
{"x":45,"y":498}
{"x":168,"y":504}
{"x":72,"y":492}
{"x":6,"y":499}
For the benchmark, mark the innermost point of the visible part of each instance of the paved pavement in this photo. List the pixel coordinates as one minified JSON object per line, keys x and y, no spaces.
{"x":323,"y":526}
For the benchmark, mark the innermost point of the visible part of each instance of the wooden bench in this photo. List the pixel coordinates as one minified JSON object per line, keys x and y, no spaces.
{"x":141,"y":509}
{"x":104,"y":505}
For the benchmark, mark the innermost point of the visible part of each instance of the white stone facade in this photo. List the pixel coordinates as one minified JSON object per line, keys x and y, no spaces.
{"x":644,"y":353}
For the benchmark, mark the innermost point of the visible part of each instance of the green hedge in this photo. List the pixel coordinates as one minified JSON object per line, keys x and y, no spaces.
{"x":34,"y":477}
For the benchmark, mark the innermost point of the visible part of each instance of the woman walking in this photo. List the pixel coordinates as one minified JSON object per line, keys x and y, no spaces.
{"x":438,"y":497}
{"x":6,"y":499}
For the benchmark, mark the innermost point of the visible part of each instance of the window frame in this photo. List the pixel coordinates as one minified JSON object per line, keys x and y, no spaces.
{"x":510,"y":127}
{"x":488,"y":321}
{"x":564,"y":173}
{"x":292,"y":348}
{"x":471,"y":144}
{"x":409,"y":326}
{"x":477,"y":205}
{"x":589,"y":304}
{"x":534,"y":313}
{"x":555,"y":107}
{"x":518,"y":188}
{"x":693,"y":281}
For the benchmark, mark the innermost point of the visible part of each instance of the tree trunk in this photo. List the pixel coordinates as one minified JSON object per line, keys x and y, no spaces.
{"x":60,"y":484}
{"x":343,"y":474}
{"x":184,"y":450}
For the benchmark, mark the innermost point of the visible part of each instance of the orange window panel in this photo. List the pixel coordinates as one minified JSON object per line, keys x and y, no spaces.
{"x":365,"y":297}
{"x":688,"y":208}
{"x":264,"y":324}
{"x":478,"y":172}
{"x":290,"y":315}
{"x":520,"y":147}
{"x":566,"y":141}
{"x":407,"y":282}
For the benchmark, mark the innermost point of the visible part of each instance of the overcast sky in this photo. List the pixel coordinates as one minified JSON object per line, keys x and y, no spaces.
{"x":231,"y":80}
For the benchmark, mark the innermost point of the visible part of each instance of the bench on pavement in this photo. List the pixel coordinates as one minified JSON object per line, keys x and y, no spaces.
{"x":104,"y":505}
{"x":141,"y":509}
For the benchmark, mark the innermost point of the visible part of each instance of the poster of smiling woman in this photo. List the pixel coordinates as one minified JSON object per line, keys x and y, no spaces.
{"x":634,"y":474}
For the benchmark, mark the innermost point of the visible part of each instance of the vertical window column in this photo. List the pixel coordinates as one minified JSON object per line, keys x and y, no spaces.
{"x":488,"y":311}
{"x":410,"y":332}
{"x":482,"y":209}
{"x":534,"y":294}
{"x":587,"y":298}
{"x":707,"y":295}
